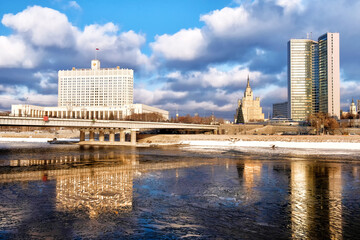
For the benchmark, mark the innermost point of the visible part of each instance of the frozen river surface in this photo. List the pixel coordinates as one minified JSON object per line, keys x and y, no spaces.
{"x":69,"y":192}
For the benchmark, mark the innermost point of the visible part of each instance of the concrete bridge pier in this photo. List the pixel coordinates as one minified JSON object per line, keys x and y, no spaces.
{"x":101,"y":135}
{"x":91,"y":135}
{"x":122,"y":135}
{"x":112,"y":136}
{"x":82,"y":135}
{"x":133,"y":136}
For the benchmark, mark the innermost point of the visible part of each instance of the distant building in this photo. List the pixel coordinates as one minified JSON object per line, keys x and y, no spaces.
{"x":280,"y":110}
{"x":358,"y":106}
{"x":249,"y":109}
{"x":314,"y":76}
{"x":95,"y":93}
{"x":353,"y":108}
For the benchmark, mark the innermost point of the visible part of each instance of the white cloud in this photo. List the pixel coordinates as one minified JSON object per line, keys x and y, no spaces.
{"x":49,"y":32}
{"x":75,"y":5}
{"x":226,"y":21}
{"x":15,"y":53}
{"x":7,"y":89}
{"x":118,"y":48}
{"x":212,"y":89}
{"x":155,"y":97}
{"x":183,"y":45}
{"x":213,"y":77}
{"x":291,"y":5}
{"x":174,"y":75}
{"x":45,"y":79}
{"x":95,"y":35}
{"x":229,"y":33}
{"x":232,"y":98}
{"x":193,"y":105}
{"x":42,"y":26}
{"x":23,"y":95}
{"x":273,"y":92}
{"x":349,"y":90}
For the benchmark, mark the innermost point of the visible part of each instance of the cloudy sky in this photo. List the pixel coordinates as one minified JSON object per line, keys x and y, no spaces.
{"x":190,"y":56}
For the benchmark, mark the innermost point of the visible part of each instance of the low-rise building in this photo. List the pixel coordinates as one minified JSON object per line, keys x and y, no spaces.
{"x":280,"y":110}
{"x":105,"y":113}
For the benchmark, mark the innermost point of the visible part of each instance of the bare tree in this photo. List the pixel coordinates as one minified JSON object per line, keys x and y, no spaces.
{"x":323,"y":123}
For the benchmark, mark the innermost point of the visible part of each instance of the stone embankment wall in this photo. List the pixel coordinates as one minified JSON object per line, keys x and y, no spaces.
{"x":259,"y":129}
{"x":177,"y":139}
{"x":69,"y":133}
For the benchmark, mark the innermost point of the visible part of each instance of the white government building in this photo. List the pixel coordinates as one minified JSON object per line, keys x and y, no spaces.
{"x":96,"y":93}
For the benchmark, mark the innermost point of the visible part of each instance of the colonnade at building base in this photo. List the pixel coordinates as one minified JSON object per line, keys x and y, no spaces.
{"x":111,"y":136}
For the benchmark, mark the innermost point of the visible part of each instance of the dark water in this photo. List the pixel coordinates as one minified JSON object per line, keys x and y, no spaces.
{"x":68,"y":192}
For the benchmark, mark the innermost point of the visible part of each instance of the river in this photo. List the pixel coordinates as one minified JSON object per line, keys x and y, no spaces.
{"x":73,"y":192}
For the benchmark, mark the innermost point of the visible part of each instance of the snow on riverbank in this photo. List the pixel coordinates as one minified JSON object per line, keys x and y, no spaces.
{"x":231,"y":144}
{"x":276,"y":144}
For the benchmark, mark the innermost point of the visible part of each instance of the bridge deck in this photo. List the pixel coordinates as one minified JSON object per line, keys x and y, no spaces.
{"x":85,"y":123}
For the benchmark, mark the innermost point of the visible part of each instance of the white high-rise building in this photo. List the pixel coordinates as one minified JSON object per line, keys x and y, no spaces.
{"x":95,"y":87}
{"x":329,"y":74}
{"x":95,"y":93}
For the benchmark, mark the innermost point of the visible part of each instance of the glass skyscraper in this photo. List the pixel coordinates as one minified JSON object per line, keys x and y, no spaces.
{"x":314,"y":76}
{"x":300,"y":76}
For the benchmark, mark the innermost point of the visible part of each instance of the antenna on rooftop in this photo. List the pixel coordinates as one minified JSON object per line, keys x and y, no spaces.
{"x":96,"y":49}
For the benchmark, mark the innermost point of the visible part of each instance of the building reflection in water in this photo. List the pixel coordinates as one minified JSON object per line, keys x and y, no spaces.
{"x":335,"y":202}
{"x":91,"y":187}
{"x":250,"y":173}
{"x":316,"y":194}
{"x":96,"y":190}
{"x":94,"y":182}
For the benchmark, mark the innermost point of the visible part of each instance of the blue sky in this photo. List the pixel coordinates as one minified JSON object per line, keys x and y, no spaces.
{"x":191,"y":56}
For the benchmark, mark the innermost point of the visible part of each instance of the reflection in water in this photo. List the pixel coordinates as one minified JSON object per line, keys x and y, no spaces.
{"x":97,"y":191}
{"x":115,"y":193}
{"x":299,"y":204}
{"x":335,"y":206}
{"x":316,"y":207}
{"x":98,"y":182}
{"x":250,"y":173}
{"x":94,"y":189}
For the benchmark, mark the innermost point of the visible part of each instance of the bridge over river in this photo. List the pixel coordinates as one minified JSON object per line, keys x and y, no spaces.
{"x":102,"y":127}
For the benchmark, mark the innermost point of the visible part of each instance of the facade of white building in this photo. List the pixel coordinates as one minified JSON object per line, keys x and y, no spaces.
{"x":102,"y":113}
{"x":106,"y":87}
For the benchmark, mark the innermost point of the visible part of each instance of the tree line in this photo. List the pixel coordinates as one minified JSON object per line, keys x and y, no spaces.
{"x":157,"y":117}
